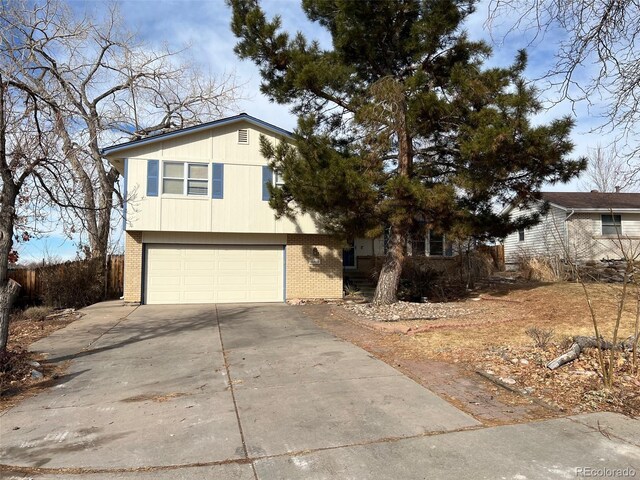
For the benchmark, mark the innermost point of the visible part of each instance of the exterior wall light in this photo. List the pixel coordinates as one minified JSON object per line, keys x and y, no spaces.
{"x":315,"y":256}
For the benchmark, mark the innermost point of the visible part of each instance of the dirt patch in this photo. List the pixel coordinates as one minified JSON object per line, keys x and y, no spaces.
{"x":22,"y":373}
{"x":491,"y":338}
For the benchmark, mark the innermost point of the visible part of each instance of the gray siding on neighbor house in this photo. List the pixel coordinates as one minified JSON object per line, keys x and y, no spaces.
{"x":547,"y":237}
{"x":588,"y":243}
{"x":577,"y":235}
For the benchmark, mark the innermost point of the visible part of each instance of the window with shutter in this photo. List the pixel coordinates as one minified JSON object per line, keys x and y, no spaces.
{"x":181,"y":178}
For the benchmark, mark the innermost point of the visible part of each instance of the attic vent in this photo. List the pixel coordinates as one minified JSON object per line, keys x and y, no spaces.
{"x":243,"y":136}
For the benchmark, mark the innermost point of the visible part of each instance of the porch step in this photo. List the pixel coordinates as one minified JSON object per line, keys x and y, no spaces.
{"x":361,"y":282}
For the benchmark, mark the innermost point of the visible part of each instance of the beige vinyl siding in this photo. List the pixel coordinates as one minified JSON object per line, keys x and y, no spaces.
{"x":200,"y":238}
{"x":547,"y":237}
{"x":242,"y":208}
{"x":180,"y":274}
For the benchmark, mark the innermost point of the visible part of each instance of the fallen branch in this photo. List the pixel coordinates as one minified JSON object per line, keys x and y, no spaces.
{"x":60,"y":313}
{"x":581,"y":343}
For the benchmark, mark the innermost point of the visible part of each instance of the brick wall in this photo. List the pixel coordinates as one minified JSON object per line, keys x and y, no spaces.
{"x":133,"y":267}
{"x":308,"y":280}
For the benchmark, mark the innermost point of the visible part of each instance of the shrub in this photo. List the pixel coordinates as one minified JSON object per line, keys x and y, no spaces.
{"x":543,"y":268}
{"x":73,"y":284}
{"x":442,"y":279}
{"x":540,"y":336}
{"x":36,"y":314}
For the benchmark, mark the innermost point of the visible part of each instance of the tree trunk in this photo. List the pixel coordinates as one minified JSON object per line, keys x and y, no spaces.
{"x":387,"y":288}
{"x":8,"y":293}
{"x":389,"y":279}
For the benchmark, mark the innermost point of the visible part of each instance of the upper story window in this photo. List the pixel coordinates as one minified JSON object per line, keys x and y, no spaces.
{"x":279,"y":180}
{"x":243,"y":136}
{"x":521,"y":234}
{"x":611,"y":224}
{"x":182,"y":178}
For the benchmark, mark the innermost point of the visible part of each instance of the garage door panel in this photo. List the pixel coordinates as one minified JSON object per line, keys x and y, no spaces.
{"x":214,"y":274}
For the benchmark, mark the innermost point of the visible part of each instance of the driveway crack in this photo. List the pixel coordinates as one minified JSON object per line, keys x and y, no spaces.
{"x":233,"y":395}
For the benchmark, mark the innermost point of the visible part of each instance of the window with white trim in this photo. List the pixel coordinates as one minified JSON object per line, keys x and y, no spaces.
{"x":183,"y":178}
{"x":436,"y":244}
{"x":278,"y":179}
{"x":611,"y":224}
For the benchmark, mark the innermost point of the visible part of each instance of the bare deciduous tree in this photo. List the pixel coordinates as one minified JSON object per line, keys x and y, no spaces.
{"x":609,"y":172}
{"x":597,"y":57}
{"x":25,"y":143}
{"x":103,"y":85}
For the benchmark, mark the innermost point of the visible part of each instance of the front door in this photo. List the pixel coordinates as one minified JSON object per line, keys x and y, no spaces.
{"x":349,"y":256}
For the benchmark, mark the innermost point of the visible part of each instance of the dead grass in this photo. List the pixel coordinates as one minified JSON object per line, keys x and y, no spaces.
{"x":558,"y":306}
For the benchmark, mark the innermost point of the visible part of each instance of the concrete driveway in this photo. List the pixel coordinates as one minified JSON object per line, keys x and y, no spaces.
{"x":258,"y":391}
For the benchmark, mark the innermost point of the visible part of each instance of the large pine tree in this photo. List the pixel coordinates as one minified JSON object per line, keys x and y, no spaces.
{"x":400,"y":126}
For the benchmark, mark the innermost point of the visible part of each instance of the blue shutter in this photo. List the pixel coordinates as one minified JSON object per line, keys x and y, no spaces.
{"x":153,"y":168}
{"x":267,"y":178}
{"x":217,"y":180}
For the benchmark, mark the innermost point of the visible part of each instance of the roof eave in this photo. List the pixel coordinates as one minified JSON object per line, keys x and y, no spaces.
{"x":606,"y":210}
{"x":110,"y":151}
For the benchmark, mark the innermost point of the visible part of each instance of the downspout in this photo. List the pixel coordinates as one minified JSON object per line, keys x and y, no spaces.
{"x":566,"y":229}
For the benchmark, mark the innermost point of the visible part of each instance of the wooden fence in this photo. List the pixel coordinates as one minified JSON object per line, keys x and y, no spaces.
{"x":30,"y":279}
{"x":496,"y":252}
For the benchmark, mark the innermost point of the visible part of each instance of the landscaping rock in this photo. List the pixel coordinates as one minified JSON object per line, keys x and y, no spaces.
{"x":36,"y":374}
{"x":408,"y":311}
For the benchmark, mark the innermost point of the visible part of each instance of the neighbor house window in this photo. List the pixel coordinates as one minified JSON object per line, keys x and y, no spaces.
{"x":611,"y":224}
{"x":521,"y":235}
{"x":181,"y":178}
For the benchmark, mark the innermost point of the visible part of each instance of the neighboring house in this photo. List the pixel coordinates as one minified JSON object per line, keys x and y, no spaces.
{"x":198,"y":224}
{"x":582,"y":226}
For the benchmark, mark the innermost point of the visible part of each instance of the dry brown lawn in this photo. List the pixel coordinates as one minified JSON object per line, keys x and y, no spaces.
{"x":502,"y":316}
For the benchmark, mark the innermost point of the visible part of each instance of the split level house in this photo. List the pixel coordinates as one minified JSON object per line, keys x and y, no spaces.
{"x":199,"y":228}
{"x":580,"y":226}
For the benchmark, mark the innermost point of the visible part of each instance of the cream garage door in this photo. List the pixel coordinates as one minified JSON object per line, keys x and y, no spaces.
{"x":214,"y":274}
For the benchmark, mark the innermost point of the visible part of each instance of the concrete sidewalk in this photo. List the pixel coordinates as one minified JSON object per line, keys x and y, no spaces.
{"x":259,"y":391}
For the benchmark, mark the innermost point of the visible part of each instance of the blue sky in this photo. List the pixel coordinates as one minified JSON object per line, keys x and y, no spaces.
{"x":204,"y":26}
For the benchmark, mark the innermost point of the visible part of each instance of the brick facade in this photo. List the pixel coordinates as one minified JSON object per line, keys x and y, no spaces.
{"x":133,"y":267}
{"x":307,"y":279}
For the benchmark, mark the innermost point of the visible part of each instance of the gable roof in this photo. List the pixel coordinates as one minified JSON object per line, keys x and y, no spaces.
{"x":593,"y":200}
{"x":242,"y":117}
